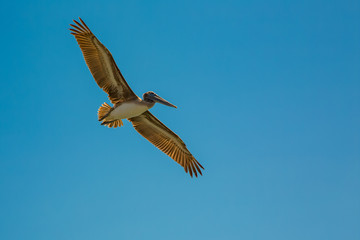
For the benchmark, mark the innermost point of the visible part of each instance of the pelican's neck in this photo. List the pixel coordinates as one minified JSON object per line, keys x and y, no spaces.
{"x":148,"y":103}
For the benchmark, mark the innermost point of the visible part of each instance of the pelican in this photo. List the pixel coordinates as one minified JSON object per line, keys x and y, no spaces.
{"x":126,"y":104}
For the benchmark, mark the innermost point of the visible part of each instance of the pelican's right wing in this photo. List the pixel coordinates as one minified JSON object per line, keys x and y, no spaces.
{"x":166,"y":140}
{"x":101,"y":64}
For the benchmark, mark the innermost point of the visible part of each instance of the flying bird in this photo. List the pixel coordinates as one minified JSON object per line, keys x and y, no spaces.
{"x":126,"y":104}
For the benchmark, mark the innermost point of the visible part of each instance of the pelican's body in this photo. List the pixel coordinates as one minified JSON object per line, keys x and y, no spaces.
{"x":129,"y":109}
{"x":126,"y":104}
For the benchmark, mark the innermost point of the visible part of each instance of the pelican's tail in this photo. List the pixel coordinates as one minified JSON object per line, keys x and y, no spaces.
{"x":113,"y":123}
{"x":103,"y":112}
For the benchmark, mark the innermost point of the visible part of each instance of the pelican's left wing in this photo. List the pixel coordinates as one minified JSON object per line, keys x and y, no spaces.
{"x":101,"y":64}
{"x":166,"y":140}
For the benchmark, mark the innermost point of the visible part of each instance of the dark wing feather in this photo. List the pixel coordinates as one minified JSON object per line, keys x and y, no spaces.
{"x":166,"y":140}
{"x":101,"y":64}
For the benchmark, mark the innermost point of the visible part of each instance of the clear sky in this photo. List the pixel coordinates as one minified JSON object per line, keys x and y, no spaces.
{"x":268,"y":96}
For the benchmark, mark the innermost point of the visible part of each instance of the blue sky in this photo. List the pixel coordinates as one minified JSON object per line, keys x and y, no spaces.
{"x":268,"y":96}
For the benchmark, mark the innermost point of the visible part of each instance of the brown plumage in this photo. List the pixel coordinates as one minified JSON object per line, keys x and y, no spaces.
{"x":103,"y":112}
{"x":166,"y":140}
{"x":101,"y":64}
{"x":108,"y":76}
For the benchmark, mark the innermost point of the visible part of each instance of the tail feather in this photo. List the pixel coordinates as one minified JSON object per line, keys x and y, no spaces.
{"x":103,"y":112}
{"x":114,"y":123}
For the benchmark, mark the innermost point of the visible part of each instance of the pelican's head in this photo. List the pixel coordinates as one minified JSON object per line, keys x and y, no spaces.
{"x":153,"y":98}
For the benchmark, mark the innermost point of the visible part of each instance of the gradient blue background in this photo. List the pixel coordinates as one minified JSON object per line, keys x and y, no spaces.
{"x":269,"y":102}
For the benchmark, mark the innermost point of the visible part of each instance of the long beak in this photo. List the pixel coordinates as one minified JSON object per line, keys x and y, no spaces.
{"x":162,"y":101}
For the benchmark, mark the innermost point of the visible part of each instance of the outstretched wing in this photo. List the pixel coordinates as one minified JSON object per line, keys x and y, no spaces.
{"x":101,"y":64}
{"x":166,"y":140}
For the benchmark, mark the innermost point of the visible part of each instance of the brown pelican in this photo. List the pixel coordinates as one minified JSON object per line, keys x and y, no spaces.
{"x":126,"y":104}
